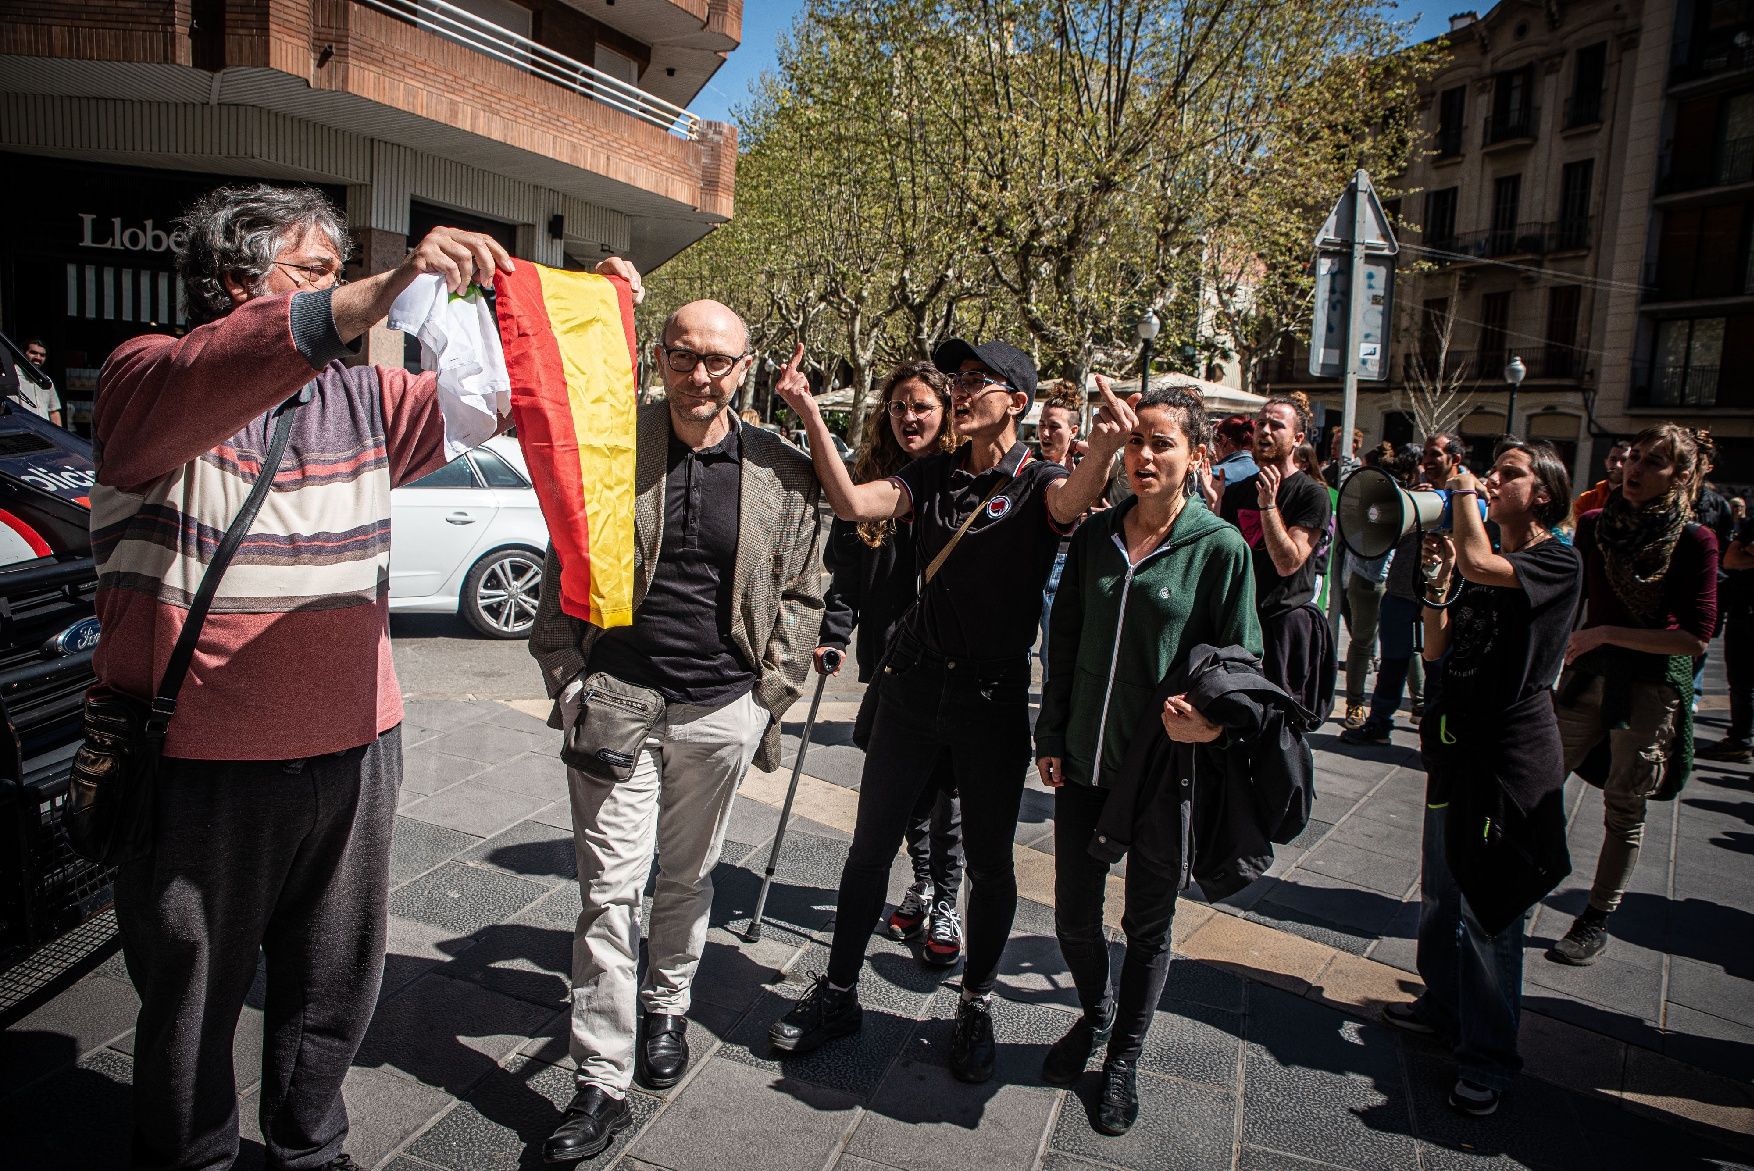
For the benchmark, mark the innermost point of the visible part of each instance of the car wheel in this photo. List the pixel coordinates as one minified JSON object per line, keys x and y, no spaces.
{"x":501,"y":591}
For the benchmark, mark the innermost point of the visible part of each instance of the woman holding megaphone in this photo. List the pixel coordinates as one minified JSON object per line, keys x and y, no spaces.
{"x":1495,"y":770}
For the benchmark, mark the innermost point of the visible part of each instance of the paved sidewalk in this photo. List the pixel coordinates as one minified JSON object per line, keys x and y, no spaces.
{"x":1264,"y":1054}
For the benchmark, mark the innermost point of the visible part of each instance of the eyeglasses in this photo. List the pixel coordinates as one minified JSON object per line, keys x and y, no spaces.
{"x":684,"y":361}
{"x":972,"y":383}
{"x":312,"y":274}
{"x":900,"y":410}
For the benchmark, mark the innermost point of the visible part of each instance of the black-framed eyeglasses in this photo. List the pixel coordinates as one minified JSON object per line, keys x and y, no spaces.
{"x":312,"y":274}
{"x":972,"y":383}
{"x":684,"y":361}
{"x":901,"y":410}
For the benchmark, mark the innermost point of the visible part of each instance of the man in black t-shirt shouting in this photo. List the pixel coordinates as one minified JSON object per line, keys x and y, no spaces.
{"x":1283,"y":514}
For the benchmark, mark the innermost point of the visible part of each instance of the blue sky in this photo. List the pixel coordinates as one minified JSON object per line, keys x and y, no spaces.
{"x":765,"y":20}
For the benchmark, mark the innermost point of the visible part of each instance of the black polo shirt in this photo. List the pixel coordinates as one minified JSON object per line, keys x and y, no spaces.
{"x":680,"y":641}
{"x":985,"y":602}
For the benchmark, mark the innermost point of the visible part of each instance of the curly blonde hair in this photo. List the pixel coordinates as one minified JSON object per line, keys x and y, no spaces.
{"x":880,"y":455}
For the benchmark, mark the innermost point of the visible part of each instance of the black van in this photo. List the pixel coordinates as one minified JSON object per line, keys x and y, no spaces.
{"x":48,"y":631}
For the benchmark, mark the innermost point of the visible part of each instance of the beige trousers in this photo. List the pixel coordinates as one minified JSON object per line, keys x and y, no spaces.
{"x":676,"y":804}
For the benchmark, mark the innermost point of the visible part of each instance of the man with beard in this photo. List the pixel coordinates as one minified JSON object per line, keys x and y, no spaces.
{"x":1596,"y":496}
{"x":1283,"y":514}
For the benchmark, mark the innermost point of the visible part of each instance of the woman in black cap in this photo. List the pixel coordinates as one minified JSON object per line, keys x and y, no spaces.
{"x":988,"y":520}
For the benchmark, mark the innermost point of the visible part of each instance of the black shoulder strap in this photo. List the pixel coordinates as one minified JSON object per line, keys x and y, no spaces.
{"x":164,"y":704}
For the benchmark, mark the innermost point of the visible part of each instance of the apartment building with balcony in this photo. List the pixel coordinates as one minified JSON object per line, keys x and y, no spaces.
{"x":559,"y":126}
{"x":1581,"y":201}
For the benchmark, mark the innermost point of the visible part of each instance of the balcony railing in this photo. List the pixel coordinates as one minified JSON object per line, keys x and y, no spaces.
{"x":1530,"y":239}
{"x":1583,"y":110}
{"x":1729,"y":50}
{"x":1549,"y":362}
{"x":1674,"y":386}
{"x":1734,"y":164}
{"x":1509,"y":125}
{"x":490,"y":40}
{"x":1689,"y":282}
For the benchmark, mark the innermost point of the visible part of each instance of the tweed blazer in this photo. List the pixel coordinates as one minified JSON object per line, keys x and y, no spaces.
{"x":776,"y":585}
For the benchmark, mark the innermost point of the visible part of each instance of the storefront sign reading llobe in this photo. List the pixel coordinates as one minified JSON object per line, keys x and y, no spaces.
{"x":113,"y":234}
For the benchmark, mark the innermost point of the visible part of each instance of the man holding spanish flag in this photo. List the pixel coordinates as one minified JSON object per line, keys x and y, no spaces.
{"x":663,"y":716}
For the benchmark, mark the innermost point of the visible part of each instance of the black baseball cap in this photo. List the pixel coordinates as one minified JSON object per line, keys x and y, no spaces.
{"x":1007,"y":361}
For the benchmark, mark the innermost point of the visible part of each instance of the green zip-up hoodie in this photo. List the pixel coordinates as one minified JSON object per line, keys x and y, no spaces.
{"x":1116,"y":630}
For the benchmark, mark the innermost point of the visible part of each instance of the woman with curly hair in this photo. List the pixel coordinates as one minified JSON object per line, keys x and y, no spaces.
{"x":1650,"y":606}
{"x":874,"y":583}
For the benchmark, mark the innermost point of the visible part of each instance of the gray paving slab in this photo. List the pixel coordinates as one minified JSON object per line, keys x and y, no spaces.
{"x":852,"y":1066}
{"x":475,"y":809}
{"x":429,"y":770}
{"x":417,"y":846}
{"x":531,"y":774}
{"x":529,"y":849}
{"x":93,"y":1011}
{"x":447,"y":1033}
{"x":1181,"y":1126}
{"x":464,"y":898}
{"x":1360,"y":867}
{"x":383,"y":1111}
{"x":78,"y":1118}
{"x":486,"y":742}
{"x":732,"y":1111}
{"x":923,"y":1118}
{"x":1193,"y":1043}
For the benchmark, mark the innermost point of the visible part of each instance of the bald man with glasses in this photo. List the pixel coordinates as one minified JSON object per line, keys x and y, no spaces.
{"x":727,"y":605}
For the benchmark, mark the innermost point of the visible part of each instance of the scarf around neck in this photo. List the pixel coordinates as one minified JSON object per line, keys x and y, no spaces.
{"x":1637,"y":543}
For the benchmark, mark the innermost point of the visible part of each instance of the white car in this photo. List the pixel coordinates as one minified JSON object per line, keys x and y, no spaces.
{"x":469,"y":539}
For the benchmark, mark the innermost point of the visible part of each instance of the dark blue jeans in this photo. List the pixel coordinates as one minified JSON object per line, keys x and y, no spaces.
{"x":1473,"y":981}
{"x":1397,"y":661}
{"x":976,"y":714}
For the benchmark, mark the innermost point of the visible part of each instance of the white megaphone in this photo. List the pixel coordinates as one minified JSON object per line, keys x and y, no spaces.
{"x":1375,"y":512}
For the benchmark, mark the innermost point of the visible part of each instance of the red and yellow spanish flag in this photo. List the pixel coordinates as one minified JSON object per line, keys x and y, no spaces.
{"x":569,"y":352}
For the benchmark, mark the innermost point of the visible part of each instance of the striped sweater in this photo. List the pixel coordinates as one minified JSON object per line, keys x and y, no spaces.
{"x":294,"y":659}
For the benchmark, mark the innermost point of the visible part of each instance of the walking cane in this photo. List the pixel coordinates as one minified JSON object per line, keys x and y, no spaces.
{"x":831,"y":660}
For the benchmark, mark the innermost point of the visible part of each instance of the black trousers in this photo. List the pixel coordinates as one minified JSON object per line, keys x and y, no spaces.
{"x":289,"y":859}
{"x":934,"y":832}
{"x":1739,"y":667}
{"x":1080,"y":884}
{"x":975,"y":714}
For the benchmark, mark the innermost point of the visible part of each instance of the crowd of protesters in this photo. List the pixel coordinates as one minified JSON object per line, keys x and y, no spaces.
{"x":1170,"y":568}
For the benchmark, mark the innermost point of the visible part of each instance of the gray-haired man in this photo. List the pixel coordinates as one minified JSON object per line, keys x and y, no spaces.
{"x":274,"y":805}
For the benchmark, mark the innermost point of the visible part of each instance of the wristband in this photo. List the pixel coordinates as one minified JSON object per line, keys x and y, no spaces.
{"x":1274,"y":507}
{"x":1464,"y":492}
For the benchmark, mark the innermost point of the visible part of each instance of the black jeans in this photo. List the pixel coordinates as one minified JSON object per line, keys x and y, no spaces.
{"x":977,"y":715}
{"x":1739,"y":666}
{"x":1080,"y":884}
{"x":287,"y":858}
{"x":934,"y":832}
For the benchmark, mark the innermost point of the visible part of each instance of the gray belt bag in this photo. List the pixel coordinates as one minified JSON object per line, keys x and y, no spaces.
{"x":615,"y":717}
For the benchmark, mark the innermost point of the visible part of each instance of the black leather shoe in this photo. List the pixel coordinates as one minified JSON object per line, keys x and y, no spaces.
{"x":821,"y":1015}
{"x":971,"y":1046}
{"x":1119,"y":1107}
{"x":593,"y":1119}
{"x":1068,"y":1056}
{"x":665,"y":1051}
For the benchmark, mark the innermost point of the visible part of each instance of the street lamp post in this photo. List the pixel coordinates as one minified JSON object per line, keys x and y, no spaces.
{"x":1147,"y":328}
{"x":1514,"y":373}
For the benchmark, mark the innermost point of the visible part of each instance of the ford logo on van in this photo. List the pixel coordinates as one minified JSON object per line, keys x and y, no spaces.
{"x":76,"y":639}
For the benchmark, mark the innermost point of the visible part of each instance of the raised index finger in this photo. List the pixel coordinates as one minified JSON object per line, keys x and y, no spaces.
{"x":797,"y":358}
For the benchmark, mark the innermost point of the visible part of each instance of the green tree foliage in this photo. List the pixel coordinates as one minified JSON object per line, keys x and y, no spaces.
{"x":1043,"y":171}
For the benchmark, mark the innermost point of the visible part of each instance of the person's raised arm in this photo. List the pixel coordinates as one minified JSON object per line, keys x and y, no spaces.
{"x":1071,"y":497}
{"x":1288,"y":545}
{"x":461,"y":258}
{"x":878,"y":500}
{"x":1437,"y":553}
{"x":1473,"y":546}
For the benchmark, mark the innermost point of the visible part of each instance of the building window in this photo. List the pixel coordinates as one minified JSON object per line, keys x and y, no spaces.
{"x":1589,"y":74}
{"x":1734,"y":157}
{"x":1685,"y":367}
{"x":1494,"y":324}
{"x":1513,"y":106}
{"x":1440,"y":218}
{"x":1560,"y":358}
{"x":1573,"y":229}
{"x":1452,"y":104}
{"x":1507,"y":196}
{"x":1702,"y":253}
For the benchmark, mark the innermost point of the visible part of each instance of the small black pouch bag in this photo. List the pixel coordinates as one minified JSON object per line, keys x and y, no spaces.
{"x":614,"y":719}
{"x":110,"y":792}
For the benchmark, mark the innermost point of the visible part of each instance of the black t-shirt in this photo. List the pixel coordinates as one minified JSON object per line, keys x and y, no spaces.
{"x":680,"y":641}
{"x":1303,"y":503}
{"x":1506,"y":643}
{"x":1735,"y":587}
{"x":985,"y":602}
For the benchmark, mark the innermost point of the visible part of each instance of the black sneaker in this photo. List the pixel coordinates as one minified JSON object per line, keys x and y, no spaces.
{"x":944,"y":937}
{"x":1404,"y":1015}
{"x":1417,"y":715}
{"x":1582,"y":945}
{"x":1119,"y":1107}
{"x":909,"y":917}
{"x":1472,"y":1100}
{"x":971,"y":1046}
{"x":1068,"y":1056}
{"x":1727,"y":750}
{"x":821,"y":1014}
{"x":1369,"y":732}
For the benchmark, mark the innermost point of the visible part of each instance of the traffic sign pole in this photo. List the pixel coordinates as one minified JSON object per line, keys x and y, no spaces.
{"x":1355,"y":304}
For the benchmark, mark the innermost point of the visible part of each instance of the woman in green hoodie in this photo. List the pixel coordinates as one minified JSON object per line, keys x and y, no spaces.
{"x":1144,"y":584}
